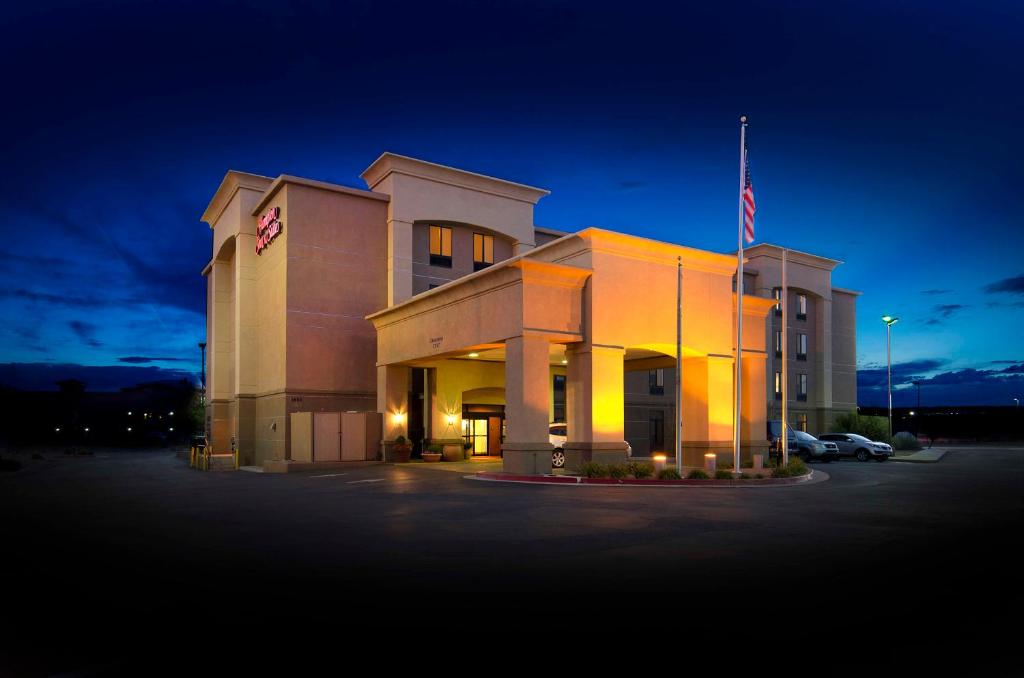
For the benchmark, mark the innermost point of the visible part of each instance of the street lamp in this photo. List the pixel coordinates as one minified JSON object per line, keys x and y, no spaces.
{"x":889,"y":322}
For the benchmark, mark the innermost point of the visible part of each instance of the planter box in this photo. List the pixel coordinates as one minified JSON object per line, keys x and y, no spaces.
{"x":431,"y":457}
{"x":453,"y":452}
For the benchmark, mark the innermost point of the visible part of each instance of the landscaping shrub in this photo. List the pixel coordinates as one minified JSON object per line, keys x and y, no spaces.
{"x":668,"y":474}
{"x":795,"y":467}
{"x":759,"y":476}
{"x":618,"y":471}
{"x":435,"y":448}
{"x":591,"y":469}
{"x":905,"y":440}
{"x":697,"y":474}
{"x":640,"y":469}
{"x":873,"y":428}
{"x":723,"y":474}
{"x":746,"y":476}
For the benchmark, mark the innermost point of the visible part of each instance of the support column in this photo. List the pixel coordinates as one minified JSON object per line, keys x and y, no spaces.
{"x":527,"y":365}
{"x":399,"y":261}
{"x":595,"y":405}
{"x":393,"y":404}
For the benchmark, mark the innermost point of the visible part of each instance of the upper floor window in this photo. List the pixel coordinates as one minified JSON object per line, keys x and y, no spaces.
{"x":778,"y":385}
{"x":656,"y":380}
{"x":801,"y":307}
{"x":777,"y":294}
{"x":483,"y":251}
{"x":801,"y":346}
{"x":441,"y":246}
{"x":801,"y":387}
{"x":778,"y":343}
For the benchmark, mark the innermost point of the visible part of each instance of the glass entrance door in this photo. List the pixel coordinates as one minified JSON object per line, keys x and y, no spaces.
{"x":475,"y":433}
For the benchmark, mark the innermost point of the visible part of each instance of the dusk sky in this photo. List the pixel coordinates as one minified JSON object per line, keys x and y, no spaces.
{"x":882,"y":134}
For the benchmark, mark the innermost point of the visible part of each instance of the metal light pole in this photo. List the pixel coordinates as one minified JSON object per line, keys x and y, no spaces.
{"x":917,"y":423}
{"x":889,"y":322}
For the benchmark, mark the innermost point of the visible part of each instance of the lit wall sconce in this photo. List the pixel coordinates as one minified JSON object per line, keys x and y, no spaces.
{"x":398,"y":418}
{"x":450,"y":419}
{"x":474,"y":355}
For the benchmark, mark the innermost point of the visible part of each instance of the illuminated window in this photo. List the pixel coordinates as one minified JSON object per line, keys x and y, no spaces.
{"x":801,"y":422}
{"x":656,"y":382}
{"x":441,"y":246}
{"x":483,"y":251}
{"x":801,"y":346}
{"x":778,"y":385}
{"x":801,"y":387}
{"x":777,"y":294}
{"x":801,"y":307}
{"x":778,"y":343}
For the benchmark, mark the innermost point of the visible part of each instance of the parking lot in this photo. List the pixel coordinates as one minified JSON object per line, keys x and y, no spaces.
{"x":875,"y":549}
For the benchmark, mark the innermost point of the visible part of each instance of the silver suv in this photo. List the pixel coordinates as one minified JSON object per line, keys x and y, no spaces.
{"x":853,"y":445}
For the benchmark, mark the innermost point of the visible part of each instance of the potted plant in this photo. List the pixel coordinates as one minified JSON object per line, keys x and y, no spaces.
{"x":402,"y":450}
{"x":453,"y":451}
{"x":433,"y":453}
{"x":467,"y":450}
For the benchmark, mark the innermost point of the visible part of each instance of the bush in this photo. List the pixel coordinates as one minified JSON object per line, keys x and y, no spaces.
{"x":618,"y":471}
{"x":591,"y":469}
{"x":795,"y":467}
{"x":759,"y":476}
{"x":435,"y":448}
{"x":904,"y":440}
{"x":723,"y":474}
{"x":697,"y":474}
{"x":640,"y":470}
{"x":668,"y":474}
{"x":745,"y":476}
{"x":873,"y":428}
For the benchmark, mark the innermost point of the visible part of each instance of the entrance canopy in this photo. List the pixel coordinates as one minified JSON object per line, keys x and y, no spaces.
{"x":597,"y":303}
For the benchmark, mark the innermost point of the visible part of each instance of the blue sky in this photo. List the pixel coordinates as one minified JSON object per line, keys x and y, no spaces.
{"x":882,"y":134}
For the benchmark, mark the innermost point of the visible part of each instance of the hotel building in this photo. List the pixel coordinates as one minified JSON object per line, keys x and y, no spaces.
{"x":432,"y":298}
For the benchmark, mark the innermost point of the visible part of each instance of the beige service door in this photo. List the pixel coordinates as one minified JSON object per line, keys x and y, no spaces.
{"x":494,"y":436}
{"x":327,"y":436}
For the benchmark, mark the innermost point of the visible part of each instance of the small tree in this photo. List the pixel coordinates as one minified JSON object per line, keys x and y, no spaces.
{"x":873,"y":428}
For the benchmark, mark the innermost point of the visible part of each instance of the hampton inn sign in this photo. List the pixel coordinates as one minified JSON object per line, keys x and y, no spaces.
{"x":348,"y":309}
{"x":267,"y":228}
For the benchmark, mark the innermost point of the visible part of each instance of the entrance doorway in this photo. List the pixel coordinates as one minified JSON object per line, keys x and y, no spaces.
{"x":483,"y":427}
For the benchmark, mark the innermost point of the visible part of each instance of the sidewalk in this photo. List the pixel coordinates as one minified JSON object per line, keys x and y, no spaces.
{"x":923,"y":457}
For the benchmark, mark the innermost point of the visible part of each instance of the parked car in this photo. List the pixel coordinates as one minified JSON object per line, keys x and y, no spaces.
{"x":557,"y":436}
{"x":854,"y":445}
{"x":803,"y":444}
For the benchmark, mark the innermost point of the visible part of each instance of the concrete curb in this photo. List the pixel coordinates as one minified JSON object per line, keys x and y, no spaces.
{"x":922,"y":457}
{"x":575,"y":481}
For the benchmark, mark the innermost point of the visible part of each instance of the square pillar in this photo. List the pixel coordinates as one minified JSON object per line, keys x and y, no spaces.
{"x":393,"y":404}
{"x":399,"y":262}
{"x":595,"y":405}
{"x":527,"y":368}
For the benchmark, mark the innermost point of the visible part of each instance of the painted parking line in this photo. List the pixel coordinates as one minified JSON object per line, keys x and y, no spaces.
{"x":329,"y":475}
{"x":368,"y":480}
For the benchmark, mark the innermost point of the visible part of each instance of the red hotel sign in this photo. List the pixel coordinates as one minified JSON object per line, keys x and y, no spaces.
{"x":268,"y":228}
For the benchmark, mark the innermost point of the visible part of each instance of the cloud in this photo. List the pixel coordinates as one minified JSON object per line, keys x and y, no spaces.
{"x":86,"y":332}
{"x":631,"y":184}
{"x":142,"y":360}
{"x":902,"y":373}
{"x":933,"y":293}
{"x":66,"y":300}
{"x":968,"y":386}
{"x":1014,"y":285}
{"x":44,"y":376}
{"x":947,"y":310}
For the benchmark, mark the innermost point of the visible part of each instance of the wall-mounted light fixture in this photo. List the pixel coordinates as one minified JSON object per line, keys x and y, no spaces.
{"x":450,"y":419}
{"x":474,"y":355}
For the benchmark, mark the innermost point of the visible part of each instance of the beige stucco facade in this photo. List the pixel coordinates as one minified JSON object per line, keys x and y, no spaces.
{"x":348,"y":307}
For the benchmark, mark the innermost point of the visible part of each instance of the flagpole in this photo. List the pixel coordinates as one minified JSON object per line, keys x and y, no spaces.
{"x":737,"y":412}
{"x":784,"y":294}
{"x":679,"y":366}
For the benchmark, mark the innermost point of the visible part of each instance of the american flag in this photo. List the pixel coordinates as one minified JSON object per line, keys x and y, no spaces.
{"x":748,"y":201}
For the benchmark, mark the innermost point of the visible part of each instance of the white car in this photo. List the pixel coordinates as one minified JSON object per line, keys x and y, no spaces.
{"x":853,"y":445}
{"x":557,"y":437}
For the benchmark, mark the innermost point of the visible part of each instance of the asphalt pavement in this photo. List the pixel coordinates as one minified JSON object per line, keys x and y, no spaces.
{"x":913,"y":555}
